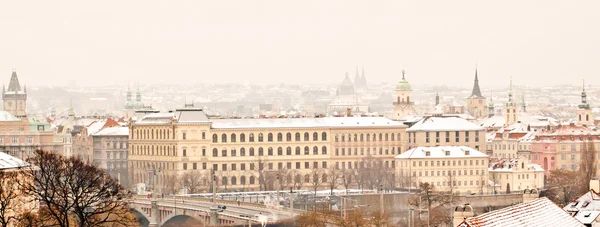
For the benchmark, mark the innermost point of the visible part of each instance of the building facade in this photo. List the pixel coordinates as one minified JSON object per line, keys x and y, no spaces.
{"x":456,"y":169}
{"x":241,"y":154}
{"x":515,"y":174}
{"x":110,"y":152}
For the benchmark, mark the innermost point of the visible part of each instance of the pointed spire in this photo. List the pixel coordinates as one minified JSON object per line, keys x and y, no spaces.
{"x":583,"y":104}
{"x":403,"y":72}
{"x":14,"y":85}
{"x":476,"y":93}
{"x":510,"y":100}
{"x":437,"y":99}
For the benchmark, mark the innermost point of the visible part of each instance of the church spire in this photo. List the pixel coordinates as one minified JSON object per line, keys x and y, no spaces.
{"x":584,"y":104}
{"x":476,"y":93}
{"x":510,"y":100}
{"x":437,"y":99}
{"x":14,"y":85}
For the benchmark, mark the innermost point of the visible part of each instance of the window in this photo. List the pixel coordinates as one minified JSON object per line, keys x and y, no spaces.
{"x":243,"y":166}
{"x":426,"y":137}
{"x":233,"y":152}
{"x":315,"y":150}
{"x":184,"y":135}
{"x":215,"y":152}
{"x":288,"y":151}
{"x":184,"y":152}
{"x":203,"y":135}
{"x":242,"y":137}
{"x":251,"y":151}
{"x":251,"y":137}
{"x":215,"y":138}
{"x":279,"y":151}
{"x":288,"y":137}
{"x":297,"y":150}
{"x":315,"y":136}
{"x":270,"y":151}
{"x":242,"y":151}
{"x":233,"y":166}
{"x":324,"y":150}
{"x":184,"y":166}
{"x":437,"y":137}
{"x":306,"y":150}
{"x":467,"y":136}
{"x":457,"y":137}
{"x":260,"y":137}
{"x":270,"y":137}
{"x":233,"y":138}
{"x":306,"y":136}
{"x":224,"y":152}
{"x":324,"y":136}
{"x":447,"y":137}
{"x":297,"y":136}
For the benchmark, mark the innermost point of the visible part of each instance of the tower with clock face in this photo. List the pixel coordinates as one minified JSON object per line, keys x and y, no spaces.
{"x":15,"y":99}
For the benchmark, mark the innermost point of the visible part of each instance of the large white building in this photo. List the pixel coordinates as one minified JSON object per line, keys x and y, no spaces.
{"x":456,"y":169}
{"x":515,"y":175}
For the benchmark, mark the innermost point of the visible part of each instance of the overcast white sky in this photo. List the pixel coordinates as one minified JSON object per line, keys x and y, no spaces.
{"x":537,"y":42}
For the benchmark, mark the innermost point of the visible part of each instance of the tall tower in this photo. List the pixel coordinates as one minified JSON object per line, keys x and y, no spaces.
{"x":71,"y":112}
{"x":437,"y":99}
{"x":403,"y":104}
{"x":15,"y":100}
{"x":584,"y":112}
{"x":510,"y":111}
{"x":523,"y":104}
{"x":476,"y":103}
{"x":491,"y":110}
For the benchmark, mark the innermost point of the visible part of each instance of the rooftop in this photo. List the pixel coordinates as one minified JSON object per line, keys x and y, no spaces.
{"x":10,"y":162}
{"x":444,"y":123}
{"x":539,"y":212}
{"x":6,"y":116}
{"x":440,"y":152}
{"x":113,"y":131}
{"x":306,"y":122}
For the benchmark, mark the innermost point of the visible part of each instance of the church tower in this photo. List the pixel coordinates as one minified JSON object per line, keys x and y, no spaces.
{"x":403,"y":105}
{"x":15,"y":99}
{"x":491,"y":110}
{"x":510,"y":111}
{"x":476,"y":103}
{"x":584,"y":112}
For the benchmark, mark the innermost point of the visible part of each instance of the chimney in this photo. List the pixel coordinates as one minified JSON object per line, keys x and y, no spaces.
{"x":348,"y":112}
{"x":595,"y":185}
{"x":461,"y":213}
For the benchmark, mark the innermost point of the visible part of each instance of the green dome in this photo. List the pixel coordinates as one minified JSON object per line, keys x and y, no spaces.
{"x":403,"y":85}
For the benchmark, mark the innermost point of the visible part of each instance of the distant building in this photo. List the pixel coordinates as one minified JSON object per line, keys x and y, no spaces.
{"x":476,"y":103}
{"x":456,"y":169}
{"x":446,"y":131}
{"x":403,"y":105}
{"x":585,"y":116}
{"x":586,"y":208}
{"x":347,"y":99}
{"x":20,"y":135}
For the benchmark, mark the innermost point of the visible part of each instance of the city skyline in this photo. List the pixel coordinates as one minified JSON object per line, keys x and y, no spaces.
{"x":273,"y":42}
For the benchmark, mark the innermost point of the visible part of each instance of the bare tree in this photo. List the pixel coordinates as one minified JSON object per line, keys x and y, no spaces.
{"x":192,"y":181}
{"x":587,"y":167}
{"x":260,"y":172}
{"x":317,"y":179}
{"x":75,"y":192}
{"x":438,"y":205}
{"x":495,"y":178}
{"x":346,"y":175}
{"x":171,"y":183}
{"x":451,"y":180}
{"x":297,"y":180}
{"x":563,"y":186}
{"x":333,"y":177}
{"x":12,"y":200}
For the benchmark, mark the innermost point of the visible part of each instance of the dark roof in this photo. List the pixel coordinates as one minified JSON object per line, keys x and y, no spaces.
{"x":14,"y":83}
{"x":476,"y":93}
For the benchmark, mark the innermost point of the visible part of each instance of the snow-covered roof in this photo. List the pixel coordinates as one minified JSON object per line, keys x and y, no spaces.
{"x":539,"y":212}
{"x":6,"y":116}
{"x":113,"y":131}
{"x":9,"y":162}
{"x":444,"y":123}
{"x":95,"y":127}
{"x":512,"y":165}
{"x":589,"y":201}
{"x":305,"y":122}
{"x":441,"y":152}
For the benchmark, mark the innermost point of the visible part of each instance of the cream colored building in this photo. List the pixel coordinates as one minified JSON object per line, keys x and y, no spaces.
{"x":440,"y":130}
{"x":476,"y":103}
{"x":456,"y":169}
{"x":515,"y":175}
{"x":243,"y":152}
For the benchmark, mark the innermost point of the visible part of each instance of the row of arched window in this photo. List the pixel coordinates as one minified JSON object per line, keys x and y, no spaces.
{"x":270,"y":151}
{"x":233,"y":138}
{"x":144,"y":134}
{"x":367,"y":137}
{"x":159,"y":150}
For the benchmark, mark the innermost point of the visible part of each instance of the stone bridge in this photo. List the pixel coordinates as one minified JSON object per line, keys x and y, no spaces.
{"x":156,"y":212}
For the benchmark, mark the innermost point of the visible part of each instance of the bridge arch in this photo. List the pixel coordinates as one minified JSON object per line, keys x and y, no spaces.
{"x":187,"y":220}
{"x":143,"y":219}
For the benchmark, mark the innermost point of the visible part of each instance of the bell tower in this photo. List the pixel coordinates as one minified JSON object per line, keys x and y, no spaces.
{"x":510,"y":110}
{"x":584,"y":112}
{"x":476,"y":103}
{"x":15,"y":99}
{"x":403,"y":105}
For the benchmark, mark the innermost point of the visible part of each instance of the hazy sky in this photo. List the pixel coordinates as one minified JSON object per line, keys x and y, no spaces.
{"x":104,"y":42}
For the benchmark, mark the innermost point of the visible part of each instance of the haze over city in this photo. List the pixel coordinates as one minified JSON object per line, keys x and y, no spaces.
{"x":265,"y":42}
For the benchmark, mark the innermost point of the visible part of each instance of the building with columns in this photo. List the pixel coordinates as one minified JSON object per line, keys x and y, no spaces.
{"x":476,"y":103}
{"x":403,"y":105}
{"x":241,"y":153}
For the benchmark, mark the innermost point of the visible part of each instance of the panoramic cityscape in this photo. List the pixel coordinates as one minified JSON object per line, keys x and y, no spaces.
{"x":257,"y":114}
